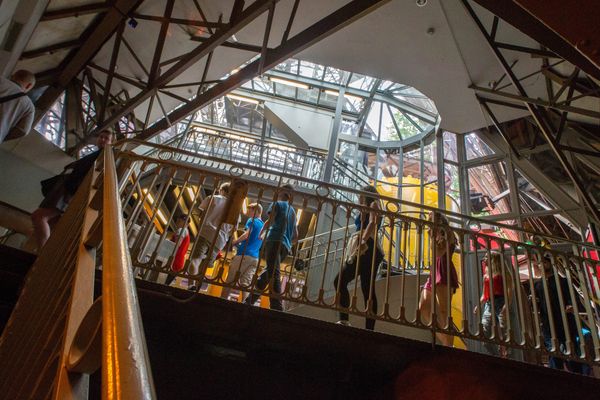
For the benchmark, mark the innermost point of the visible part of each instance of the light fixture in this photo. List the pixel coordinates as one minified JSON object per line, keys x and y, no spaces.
{"x":148,"y":196}
{"x":161,"y":217}
{"x":242,"y":98}
{"x":289,"y":82}
{"x":421,"y":3}
{"x":346,"y":95}
{"x":191,"y":193}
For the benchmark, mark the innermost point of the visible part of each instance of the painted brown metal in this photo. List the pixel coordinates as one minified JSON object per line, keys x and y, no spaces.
{"x":513,"y":13}
{"x":576,"y":21}
{"x":107,"y":25}
{"x":316,"y":32}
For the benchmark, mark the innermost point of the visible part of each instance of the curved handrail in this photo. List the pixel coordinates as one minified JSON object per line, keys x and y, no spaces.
{"x":394,"y":202}
{"x":126,"y":370}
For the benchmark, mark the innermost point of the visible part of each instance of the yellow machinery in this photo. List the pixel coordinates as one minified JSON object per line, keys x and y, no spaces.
{"x":408,"y":244}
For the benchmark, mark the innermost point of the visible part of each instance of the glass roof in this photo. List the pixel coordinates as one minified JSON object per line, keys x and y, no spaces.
{"x":393,"y":111}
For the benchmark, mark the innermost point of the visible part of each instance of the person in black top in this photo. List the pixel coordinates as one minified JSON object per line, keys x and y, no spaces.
{"x":59,"y":195}
{"x":551,"y":306}
{"x":367,"y":253}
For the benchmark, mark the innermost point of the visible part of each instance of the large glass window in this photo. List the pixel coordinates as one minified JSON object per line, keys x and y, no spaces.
{"x":488,"y":189}
{"x":475,"y":147}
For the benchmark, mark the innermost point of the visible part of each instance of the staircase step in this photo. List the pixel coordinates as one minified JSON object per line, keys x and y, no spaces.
{"x":10,"y":285}
{"x":5,"y":311}
{"x":15,"y":260}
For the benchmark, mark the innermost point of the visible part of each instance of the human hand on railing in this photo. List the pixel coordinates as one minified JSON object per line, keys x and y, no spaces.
{"x":569,"y":309}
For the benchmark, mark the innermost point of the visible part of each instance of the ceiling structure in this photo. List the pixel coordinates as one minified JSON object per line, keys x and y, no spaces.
{"x":147,"y":64}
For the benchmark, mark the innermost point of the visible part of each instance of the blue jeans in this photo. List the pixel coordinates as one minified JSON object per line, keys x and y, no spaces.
{"x":559,"y":363}
{"x":486,"y":321}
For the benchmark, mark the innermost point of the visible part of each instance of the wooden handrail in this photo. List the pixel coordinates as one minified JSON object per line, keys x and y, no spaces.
{"x":126,"y":372}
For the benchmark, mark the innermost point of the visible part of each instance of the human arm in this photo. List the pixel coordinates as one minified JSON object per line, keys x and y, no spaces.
{"x":244,"y":236}
{"x":272,"y":212}
{"x":372,"y":225}
{"x":22,"y":127}
{"x":295,"y":237}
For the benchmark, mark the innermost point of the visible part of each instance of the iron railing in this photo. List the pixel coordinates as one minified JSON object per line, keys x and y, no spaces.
{"x":161,"y":186}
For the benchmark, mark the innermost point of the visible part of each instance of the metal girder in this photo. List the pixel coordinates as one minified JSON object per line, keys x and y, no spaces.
{"x":75,"y":11}
{"x":179,"y":21}
{"x":539,"y":118}
{"x":247,"y":16}
{"x":579,"y":26}
{"x":411,"y":109}
{"x":69,"y":44}
{"x":108,"y":24}
{"x":316,"y":32}
{"x":515,"y":15}
{"x":538,"y":102}
{"x":549,"y":188}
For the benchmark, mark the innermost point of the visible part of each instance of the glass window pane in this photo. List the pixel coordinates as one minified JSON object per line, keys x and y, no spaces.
{"x":450,"y":146}
{"x":388,"y":128}
{"x":430,"y":163}
{"x":311,"y":70}
{"x":308,"y":95}
{"x":333,"y":75}
{"x":488,"y":189}
{"x":452,"y":185}
{"x":475,"y":147}
{"x":362,"y":82}
{"x":347,"y":152}
{"x":412,"y":164}
{"x":389,"y":165}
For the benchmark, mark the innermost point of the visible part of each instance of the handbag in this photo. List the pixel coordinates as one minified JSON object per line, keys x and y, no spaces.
{"x":51,"y":183}
{"x":355,"y":248}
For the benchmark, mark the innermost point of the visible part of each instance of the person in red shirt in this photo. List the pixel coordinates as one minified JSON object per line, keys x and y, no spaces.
{"x":182,"y":236}
{"x":501,"y":296}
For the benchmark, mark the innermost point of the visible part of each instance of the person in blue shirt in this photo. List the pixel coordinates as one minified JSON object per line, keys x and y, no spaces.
{"x":248,"y":245}
{"x":280,"y":232}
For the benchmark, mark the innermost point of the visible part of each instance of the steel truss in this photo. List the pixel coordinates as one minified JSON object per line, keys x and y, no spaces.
{"x":550,"y":115}
{"x":117,"y":110}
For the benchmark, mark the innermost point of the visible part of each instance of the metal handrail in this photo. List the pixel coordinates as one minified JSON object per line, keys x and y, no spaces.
{"x":315,"y":286}
{"x":392,"y":203}
{"x":126,"y":372}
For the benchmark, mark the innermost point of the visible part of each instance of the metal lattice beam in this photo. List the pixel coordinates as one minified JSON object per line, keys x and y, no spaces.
{"x":538,"y":115}
{"x":105,"y":28}
{"x":189,"y":59}
{"x":313,"y":34}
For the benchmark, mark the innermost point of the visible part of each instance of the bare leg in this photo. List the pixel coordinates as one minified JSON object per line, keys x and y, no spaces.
{"x":425,"y":306}
{"x":41,"y":219}
{"x":442,"y":313}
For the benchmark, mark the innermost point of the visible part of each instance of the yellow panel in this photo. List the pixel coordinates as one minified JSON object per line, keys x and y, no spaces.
{"x":409,"y":245}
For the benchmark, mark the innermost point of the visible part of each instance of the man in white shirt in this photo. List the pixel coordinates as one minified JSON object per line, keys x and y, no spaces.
{"x":16,"y":109}
{"x":213,"y":230}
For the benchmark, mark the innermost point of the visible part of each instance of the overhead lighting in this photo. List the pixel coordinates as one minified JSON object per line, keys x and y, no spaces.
{"x":279,"y":147}
{"x":289,"y":82}
{"x":239,"y":138}
{"x":148,"y":196}
{"x":242,"y":98}
{"x":161,"y":217}
{"x":346,"y":95}
{"x":421,"y":3}
{"x":191,"y":193}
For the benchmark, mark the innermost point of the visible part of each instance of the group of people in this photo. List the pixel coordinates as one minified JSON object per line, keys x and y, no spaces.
{"x":552,"y":299}
{"x":274,"y":237}
{"x":17,"y":114}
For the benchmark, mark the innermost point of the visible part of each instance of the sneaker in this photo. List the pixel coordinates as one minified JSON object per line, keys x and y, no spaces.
{"x":343,"y":322}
